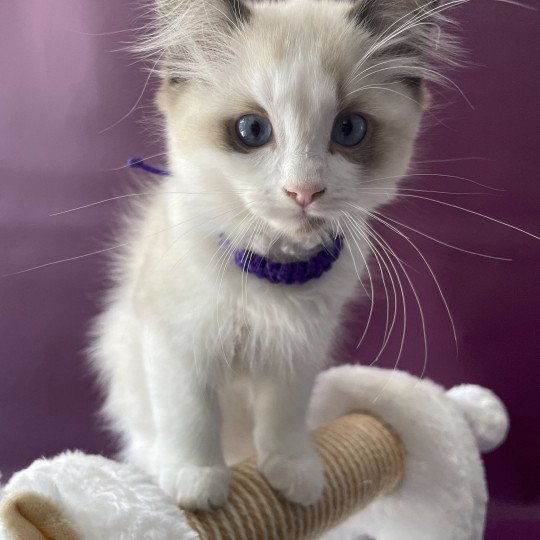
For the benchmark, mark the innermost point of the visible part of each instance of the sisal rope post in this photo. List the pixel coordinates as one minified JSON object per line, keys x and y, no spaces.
{"x":363,"y":458}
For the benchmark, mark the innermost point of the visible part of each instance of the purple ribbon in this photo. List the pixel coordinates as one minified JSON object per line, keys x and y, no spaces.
{"x":138,"y":163}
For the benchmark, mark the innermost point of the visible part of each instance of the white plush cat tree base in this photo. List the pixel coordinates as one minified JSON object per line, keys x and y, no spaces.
{"x":421,"y":478}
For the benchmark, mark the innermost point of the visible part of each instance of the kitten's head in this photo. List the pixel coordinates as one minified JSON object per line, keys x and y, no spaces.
{"x":301,"y":111}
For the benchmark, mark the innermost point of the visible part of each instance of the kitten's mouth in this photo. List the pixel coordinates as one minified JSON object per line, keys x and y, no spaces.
{"x":309,"y":224}
{"x":314,"y":221}
{"x":300,"y":224}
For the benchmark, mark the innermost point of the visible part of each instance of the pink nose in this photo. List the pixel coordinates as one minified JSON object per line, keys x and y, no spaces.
{"x":304,"y":196}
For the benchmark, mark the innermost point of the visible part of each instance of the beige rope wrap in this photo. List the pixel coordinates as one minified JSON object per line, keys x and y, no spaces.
{"x":363,"y":459}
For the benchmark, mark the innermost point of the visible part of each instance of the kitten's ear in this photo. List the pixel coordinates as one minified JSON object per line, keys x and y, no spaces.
{"x":187,"y":39}
{"x":409,"y":35}
{"x":408,"y":25}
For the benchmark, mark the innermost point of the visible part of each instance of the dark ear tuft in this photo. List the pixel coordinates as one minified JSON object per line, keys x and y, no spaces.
{"x":378,"y":15}
{"x":366,"y":13}
{"x":234,"y":10}
{"x":239,"y":11}
{"x":403,"y":28}
{"x":411,"y":32}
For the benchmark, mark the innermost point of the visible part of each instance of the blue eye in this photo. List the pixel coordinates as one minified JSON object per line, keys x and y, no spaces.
{"x":253,"y":130}
{"x":349,"y":130}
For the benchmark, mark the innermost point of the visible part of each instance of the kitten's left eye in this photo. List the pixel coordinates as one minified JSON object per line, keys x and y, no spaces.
{"x":253,"y":130}
{"x":349,"y":129}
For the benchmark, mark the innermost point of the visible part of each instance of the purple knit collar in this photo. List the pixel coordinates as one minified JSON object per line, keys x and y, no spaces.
{"x":288,"y":273}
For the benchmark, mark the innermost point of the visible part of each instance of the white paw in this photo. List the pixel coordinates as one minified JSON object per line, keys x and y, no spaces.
{"x":196,"y":488}
{"x":299,"y":479}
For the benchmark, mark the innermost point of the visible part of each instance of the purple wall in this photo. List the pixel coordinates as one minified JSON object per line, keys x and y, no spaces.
{"x":63,"y":91}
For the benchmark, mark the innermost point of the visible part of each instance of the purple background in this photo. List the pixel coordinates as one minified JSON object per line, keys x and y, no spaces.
{"x":63,"y":91}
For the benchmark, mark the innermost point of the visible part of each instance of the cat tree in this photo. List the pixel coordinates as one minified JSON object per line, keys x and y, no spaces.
{"x":422,"y":478}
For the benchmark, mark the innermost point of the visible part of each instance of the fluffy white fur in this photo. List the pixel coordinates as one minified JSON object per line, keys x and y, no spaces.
{"x":443,"y":495}
{"x":186,"y":334}
{"x":103,"y":499}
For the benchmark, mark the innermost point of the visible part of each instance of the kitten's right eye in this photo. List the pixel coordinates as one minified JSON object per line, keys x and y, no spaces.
{"x":253,"y":130}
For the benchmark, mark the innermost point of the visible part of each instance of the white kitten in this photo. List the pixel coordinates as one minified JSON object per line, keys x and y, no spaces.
{"x":279,"y":117}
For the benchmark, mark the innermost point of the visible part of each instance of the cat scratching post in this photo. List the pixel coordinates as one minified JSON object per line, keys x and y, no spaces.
{"x":363,"y":460}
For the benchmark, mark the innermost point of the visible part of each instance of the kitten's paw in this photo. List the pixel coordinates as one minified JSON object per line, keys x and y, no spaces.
{"x":299,"y":479}
{"x":196,"y":488}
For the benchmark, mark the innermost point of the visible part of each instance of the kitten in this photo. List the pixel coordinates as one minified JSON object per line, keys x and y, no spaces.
{"x":278,"y":116}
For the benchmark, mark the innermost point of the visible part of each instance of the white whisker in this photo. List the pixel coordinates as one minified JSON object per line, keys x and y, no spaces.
{"x":436,"y":175}
{"x":142,"y":194}
{"x":370,"y":296}
{"x":225,"y":261}
{"x":428,"y":266}
{"x":450,"y":160}
{"x":517,"y":4}
{"x":139,"y":98}
{"x":130,"y":166}
{"x":474,"y":212}
{"x":244,"y":275}
{"x":388,"y":330}
{"x":452,"y":246}
{"x":391,"y":190}
{"x":383,"y":243}
{"x":100,"y":251}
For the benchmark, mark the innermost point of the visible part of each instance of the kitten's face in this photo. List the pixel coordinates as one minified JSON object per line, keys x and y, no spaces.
{"x":342,"y":123}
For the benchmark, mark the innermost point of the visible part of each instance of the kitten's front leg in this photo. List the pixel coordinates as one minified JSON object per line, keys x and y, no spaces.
{"x":286,"y":455}
{"x":187,"y":458}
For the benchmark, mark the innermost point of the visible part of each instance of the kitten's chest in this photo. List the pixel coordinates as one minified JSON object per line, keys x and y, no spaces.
{"x":281,"y":324}
{"x":242,"y":321}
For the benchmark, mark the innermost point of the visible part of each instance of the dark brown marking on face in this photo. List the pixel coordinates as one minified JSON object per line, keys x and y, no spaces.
{"x":369,"y":152}
{"x":230,"y":138}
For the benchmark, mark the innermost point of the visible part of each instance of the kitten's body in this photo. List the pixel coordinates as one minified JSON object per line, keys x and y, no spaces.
{"x":213,"y":332}
{"x":185,"y":327}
